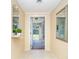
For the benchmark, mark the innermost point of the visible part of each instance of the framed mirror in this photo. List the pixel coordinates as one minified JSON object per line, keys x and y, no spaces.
{"x":62,"y":24}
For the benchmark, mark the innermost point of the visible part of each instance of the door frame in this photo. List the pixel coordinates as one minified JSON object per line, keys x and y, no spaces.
{"x":47,"y":29}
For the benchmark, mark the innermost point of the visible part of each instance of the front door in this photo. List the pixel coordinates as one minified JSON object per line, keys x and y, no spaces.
{"x":37,"y":33}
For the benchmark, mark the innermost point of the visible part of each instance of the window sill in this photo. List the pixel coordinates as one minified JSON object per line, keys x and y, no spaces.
{"x":16,"y":36}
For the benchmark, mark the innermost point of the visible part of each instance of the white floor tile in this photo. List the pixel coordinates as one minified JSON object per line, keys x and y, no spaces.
{"x":38,"y":54}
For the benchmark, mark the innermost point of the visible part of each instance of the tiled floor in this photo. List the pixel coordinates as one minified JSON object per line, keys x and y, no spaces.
{"x":38,"y":54}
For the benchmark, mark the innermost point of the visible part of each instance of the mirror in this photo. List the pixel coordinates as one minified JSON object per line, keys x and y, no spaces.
{"x":62,"y":24}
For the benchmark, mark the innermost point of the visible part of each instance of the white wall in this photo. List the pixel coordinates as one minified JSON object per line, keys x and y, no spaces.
{"x":47,"y":30}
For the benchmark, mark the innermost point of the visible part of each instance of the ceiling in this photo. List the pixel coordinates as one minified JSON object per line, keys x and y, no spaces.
{"x":34,"y":6}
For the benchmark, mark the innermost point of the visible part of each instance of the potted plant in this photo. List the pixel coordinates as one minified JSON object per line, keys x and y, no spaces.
{"x":19,"y":31}
{"x":15,"y":31}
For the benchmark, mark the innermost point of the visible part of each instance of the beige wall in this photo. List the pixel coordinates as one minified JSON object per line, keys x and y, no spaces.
{"x":47,"y":30}
{"x":17,"y":44}
{"x":60,"y":48}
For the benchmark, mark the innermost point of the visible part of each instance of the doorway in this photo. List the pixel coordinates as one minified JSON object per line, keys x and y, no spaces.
{"x":37,"y":32}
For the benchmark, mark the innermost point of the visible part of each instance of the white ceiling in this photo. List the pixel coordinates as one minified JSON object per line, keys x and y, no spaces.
{"x":33,"y":6}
